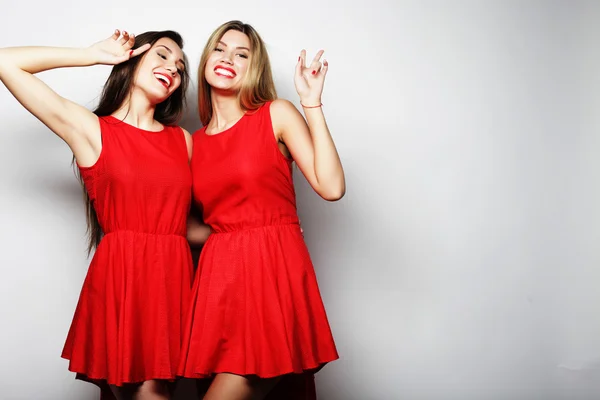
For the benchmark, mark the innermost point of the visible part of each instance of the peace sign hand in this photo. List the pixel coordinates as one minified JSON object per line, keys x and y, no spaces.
{"x":309,"y":80}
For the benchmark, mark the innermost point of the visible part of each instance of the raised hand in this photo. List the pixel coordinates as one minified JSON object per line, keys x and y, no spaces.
{"x":309,"y":80}
{"x":116,"y":49}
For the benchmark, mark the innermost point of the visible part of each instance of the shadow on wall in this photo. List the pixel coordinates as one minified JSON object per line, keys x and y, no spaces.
{"x":190,"y":120}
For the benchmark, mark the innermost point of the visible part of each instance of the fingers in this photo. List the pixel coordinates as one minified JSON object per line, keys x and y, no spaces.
{"x":318,"y":56}
{"x":131,"y":40}
{"x":124,"y":38}
{"x":316,"y":68}
{"x":127,"y":40}
{"x":303,"y":58}
{"x":139,"y":50}
{"x":325,"y":67}
{"x":299,"y":65}
{"x":315,"y":65}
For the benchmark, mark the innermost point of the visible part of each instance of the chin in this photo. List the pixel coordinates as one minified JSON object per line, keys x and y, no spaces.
{"x":222,"y":84}
{"x":225,"y":88}
{"x":157,"y":98}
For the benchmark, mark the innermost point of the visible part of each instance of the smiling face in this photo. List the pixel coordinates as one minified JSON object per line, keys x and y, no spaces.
{"x":234,"y":62}
{"x":160,"y":72}
{"x":228,"y":62}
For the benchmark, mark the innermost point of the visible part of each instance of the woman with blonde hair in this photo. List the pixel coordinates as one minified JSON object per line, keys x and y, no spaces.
{"x":257,"y":318}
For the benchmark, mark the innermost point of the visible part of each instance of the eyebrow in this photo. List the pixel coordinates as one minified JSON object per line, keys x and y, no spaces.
{"x":239,"y":47}
{"x":171,"y":51}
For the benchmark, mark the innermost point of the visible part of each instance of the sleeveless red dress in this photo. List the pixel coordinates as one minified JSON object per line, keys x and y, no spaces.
{"x":128,"y":322}
{"x":256,"y":307}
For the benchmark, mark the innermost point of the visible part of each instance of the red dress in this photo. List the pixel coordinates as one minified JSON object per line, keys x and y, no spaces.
{"x":128,"y":322}
{"x":256,"y":307}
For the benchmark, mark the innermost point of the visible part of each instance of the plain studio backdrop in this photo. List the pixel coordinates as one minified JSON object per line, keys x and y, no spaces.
{"x":463,"y":261}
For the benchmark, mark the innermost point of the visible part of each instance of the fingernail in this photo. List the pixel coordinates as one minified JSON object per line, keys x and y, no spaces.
{"x":124,"y":32}
{"x":314,"y":72}
{"x":130,"y":53}
{"x":298,"y":58}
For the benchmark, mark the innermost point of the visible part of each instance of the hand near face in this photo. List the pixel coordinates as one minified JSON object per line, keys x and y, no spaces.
{"x":116,"y":49}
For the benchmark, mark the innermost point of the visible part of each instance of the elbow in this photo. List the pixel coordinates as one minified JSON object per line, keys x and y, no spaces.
{"x":5,"y":61}
{"x":4,"y":56}
{"x":334,"y":195}
{"x":194,"y":242}
{"x":195,"y":239}
{"x":191,"y":242}
{"x":190,"y":239}
{"x":198,"y":235}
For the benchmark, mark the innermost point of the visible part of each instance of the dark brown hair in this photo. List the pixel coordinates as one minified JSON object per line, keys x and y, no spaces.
{"x":115,"y":92}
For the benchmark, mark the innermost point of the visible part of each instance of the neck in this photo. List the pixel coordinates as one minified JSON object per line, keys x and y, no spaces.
{"x":226,"y":111}
{"x":137,"y":111}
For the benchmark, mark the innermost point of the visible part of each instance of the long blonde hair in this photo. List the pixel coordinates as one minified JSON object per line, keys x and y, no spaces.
{"x":258,"y":86}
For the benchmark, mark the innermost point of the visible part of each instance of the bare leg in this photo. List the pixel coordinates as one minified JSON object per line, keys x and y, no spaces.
{"x":235,"y":387}
{"x":149,"y":390}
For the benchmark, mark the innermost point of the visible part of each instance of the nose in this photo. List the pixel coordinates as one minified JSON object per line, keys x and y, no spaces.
{"x":226,"y":59}
{"x":172,"y":69}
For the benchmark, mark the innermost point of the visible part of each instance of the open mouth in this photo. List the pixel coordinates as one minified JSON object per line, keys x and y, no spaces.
{"x":164,"y":79}
{"x":225,"y":72}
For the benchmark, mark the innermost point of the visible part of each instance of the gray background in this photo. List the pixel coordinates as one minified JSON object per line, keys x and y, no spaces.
{"x":463,"y":261}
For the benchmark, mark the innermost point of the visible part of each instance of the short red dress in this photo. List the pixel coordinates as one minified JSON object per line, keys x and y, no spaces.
{"x":127,"y":326}
{"x":256,"y":306}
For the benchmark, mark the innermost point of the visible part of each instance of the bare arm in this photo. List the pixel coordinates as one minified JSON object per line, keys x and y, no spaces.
{"x":75,"y":124}
{"x":310,"y":142}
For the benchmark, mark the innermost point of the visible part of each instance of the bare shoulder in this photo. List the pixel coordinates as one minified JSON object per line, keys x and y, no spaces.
{"x":285,"y":117}
{"x":282,"y":108}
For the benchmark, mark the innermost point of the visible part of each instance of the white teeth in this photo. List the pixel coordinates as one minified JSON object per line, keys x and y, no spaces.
{"x":224,"y":72}
{"x":163,"y":78}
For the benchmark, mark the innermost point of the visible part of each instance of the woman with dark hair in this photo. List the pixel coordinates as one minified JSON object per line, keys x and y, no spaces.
{"x":134,"y":163}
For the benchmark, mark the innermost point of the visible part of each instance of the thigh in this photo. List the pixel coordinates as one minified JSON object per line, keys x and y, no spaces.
{"x":235,"y":387}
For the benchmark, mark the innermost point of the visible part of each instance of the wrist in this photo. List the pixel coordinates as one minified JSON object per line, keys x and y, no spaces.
{"x":310,"y":102}
{"x":87,"y":56}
